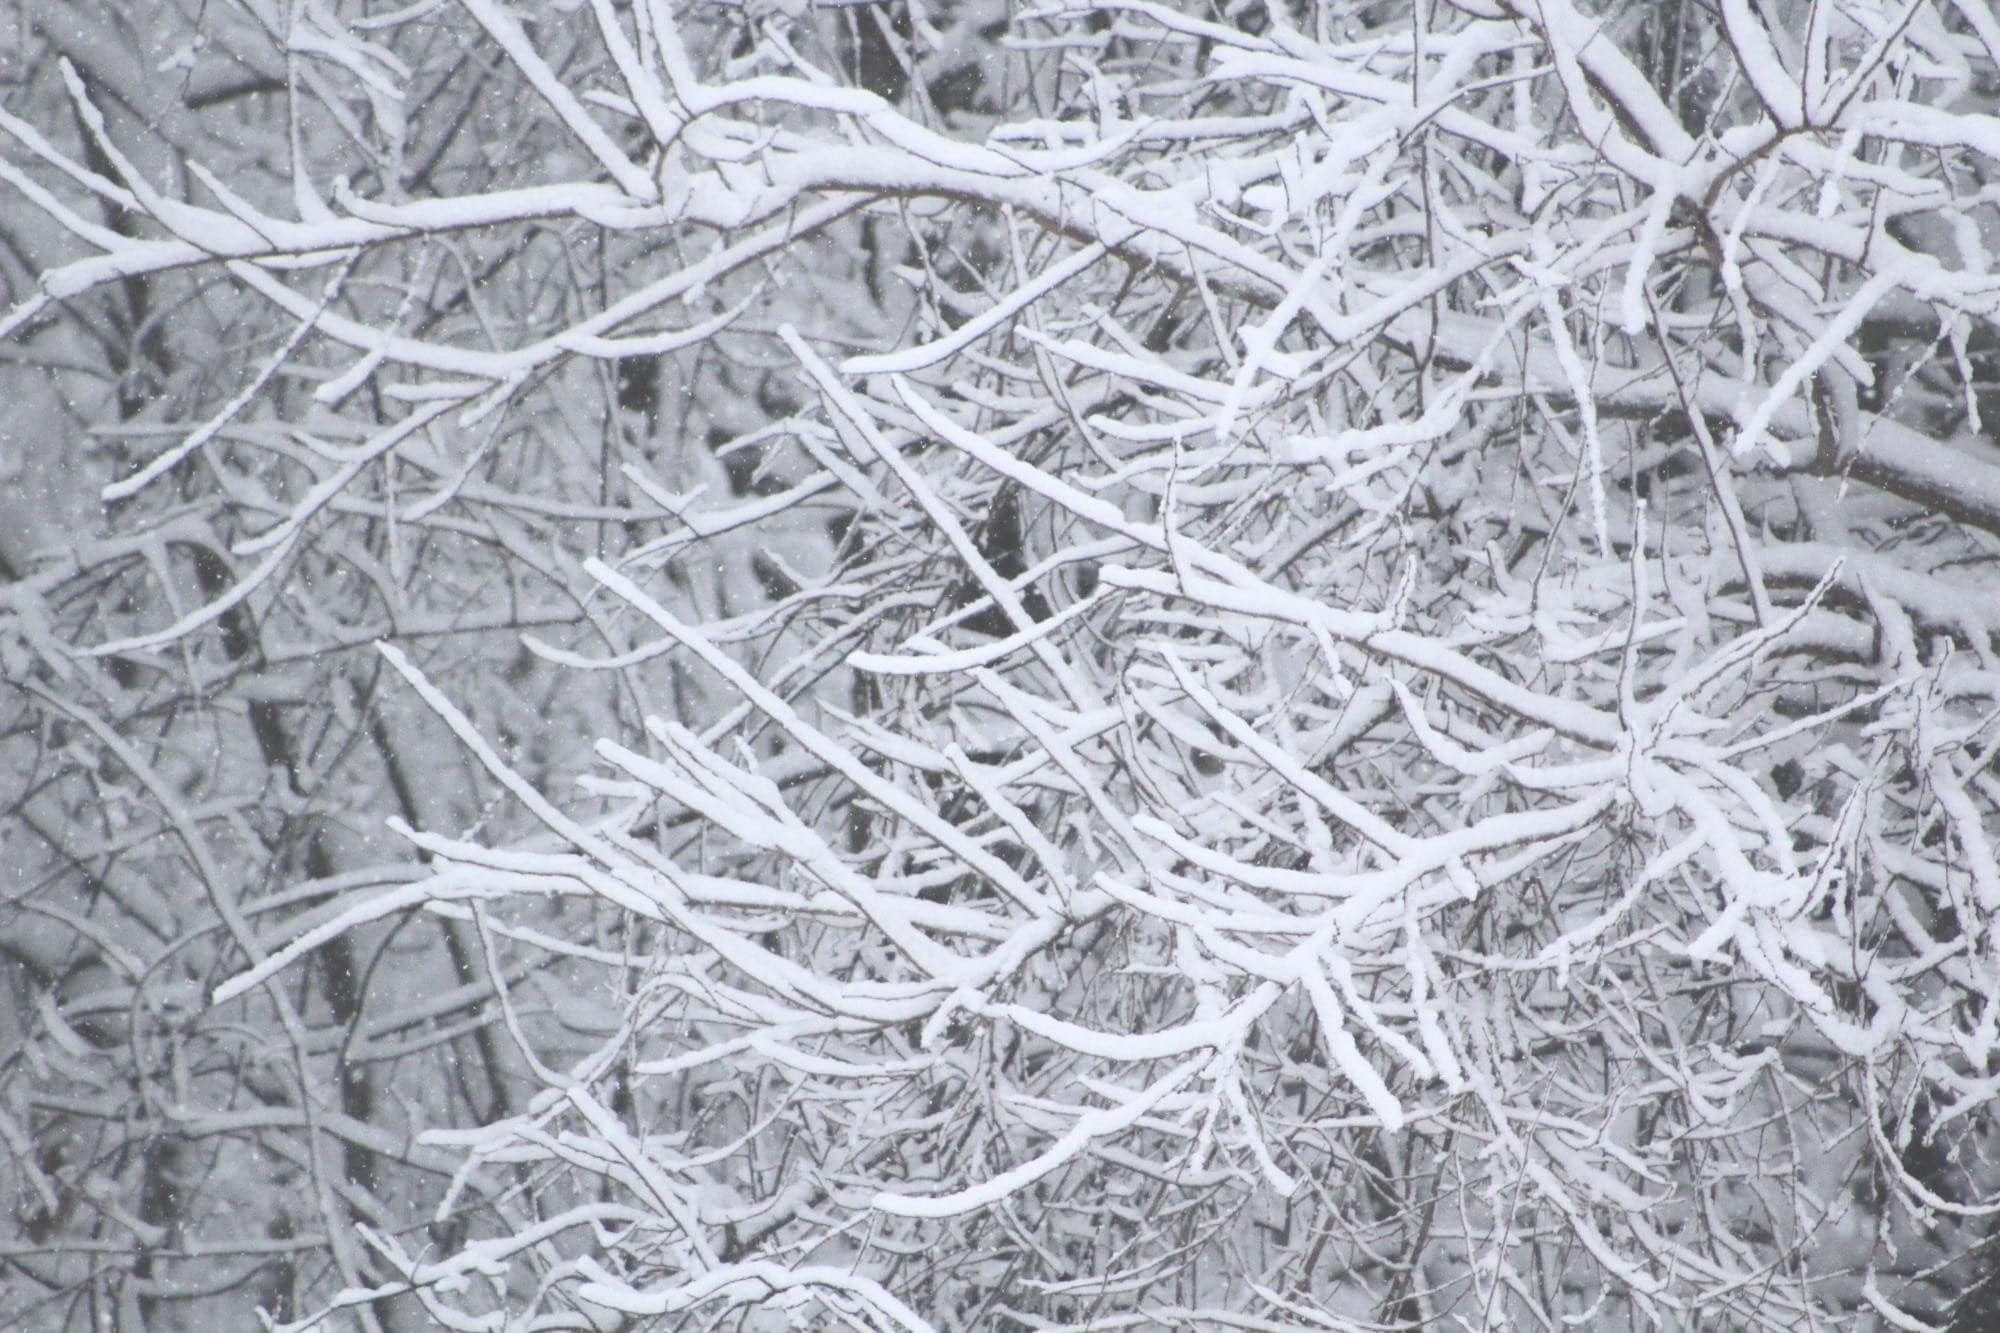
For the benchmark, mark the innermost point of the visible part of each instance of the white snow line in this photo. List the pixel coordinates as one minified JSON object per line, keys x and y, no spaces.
{"x":1831,"y":339}
{"x":930,"y":353}
{"x":504,"y":29}
{"x":1090,"y":1125}
{"x":138,"y":481}
{"x":1340,"y":1047}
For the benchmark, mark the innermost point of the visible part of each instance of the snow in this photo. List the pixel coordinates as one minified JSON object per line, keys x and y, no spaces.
{"x":1090,"y":1124}
{"x":1106,"y":683}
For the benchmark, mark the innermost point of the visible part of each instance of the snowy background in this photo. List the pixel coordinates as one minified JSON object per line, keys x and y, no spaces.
{"x":766,"y":664}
